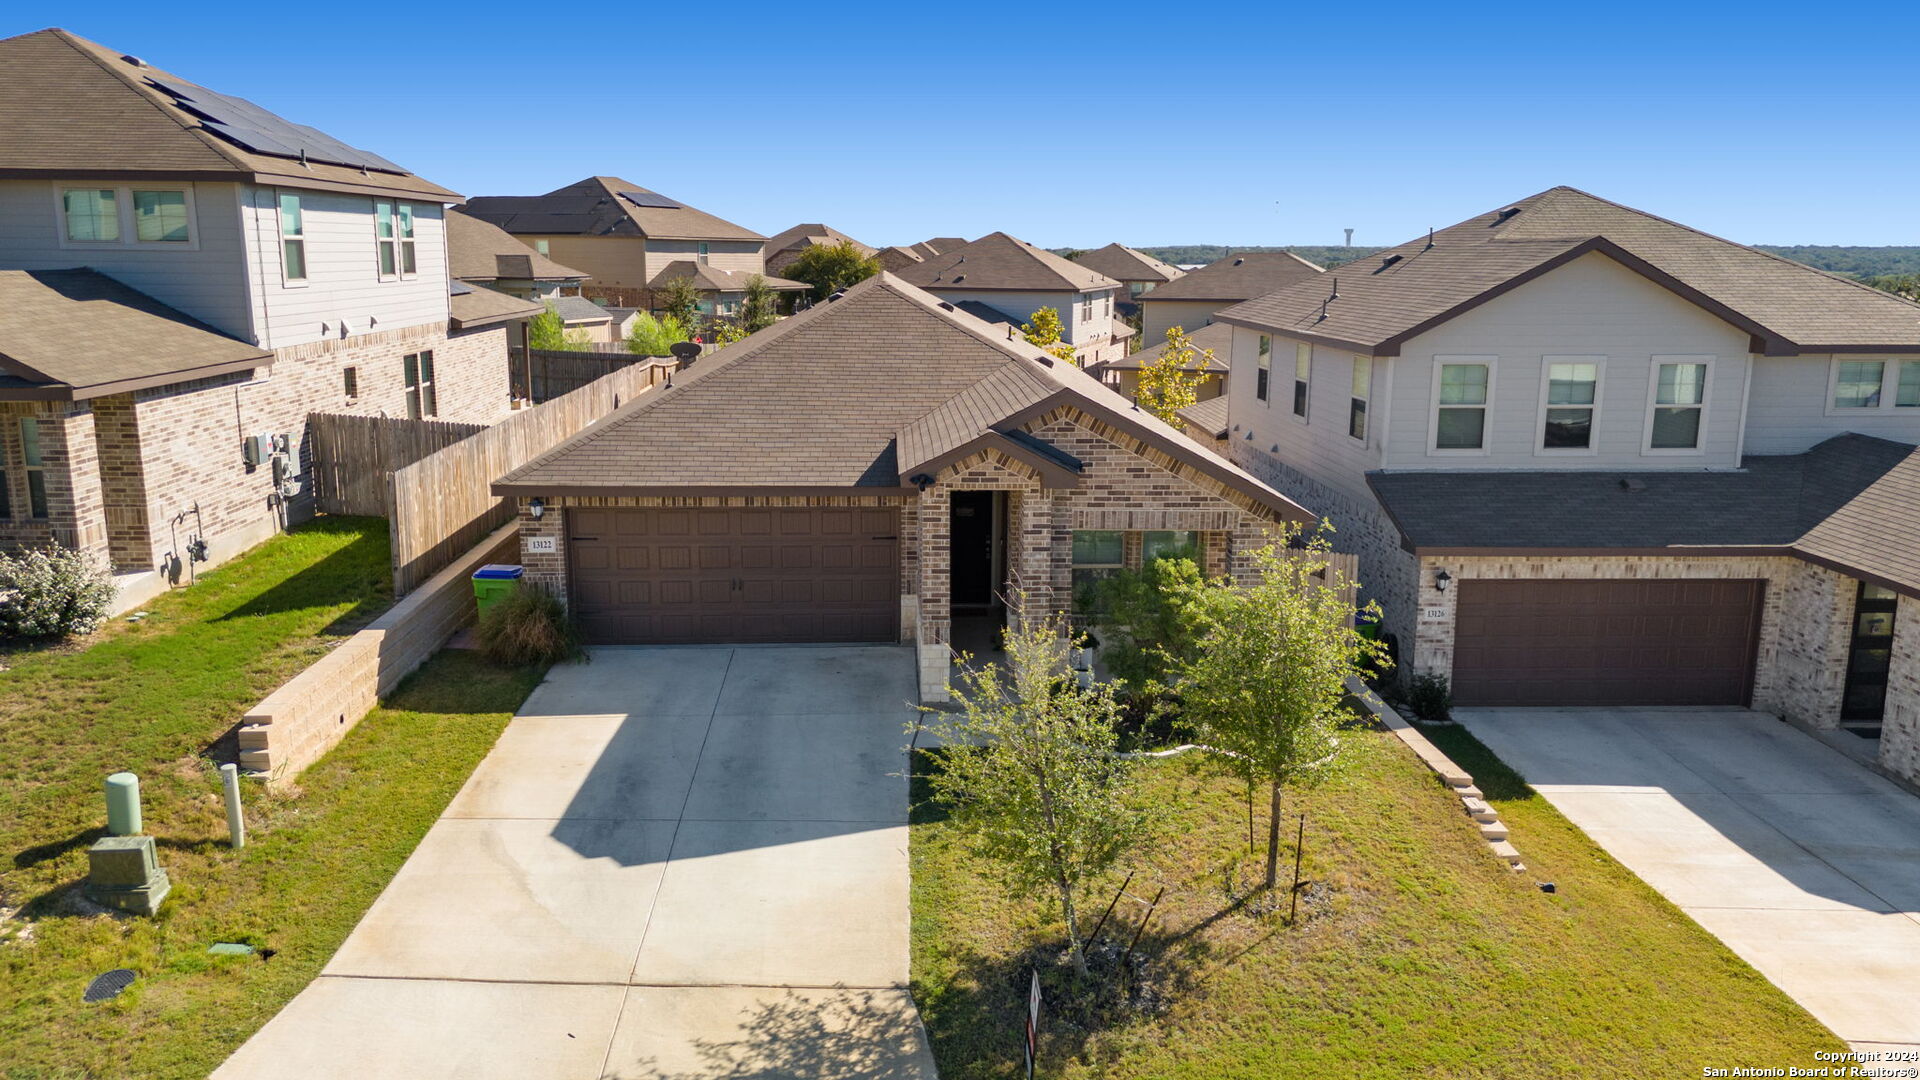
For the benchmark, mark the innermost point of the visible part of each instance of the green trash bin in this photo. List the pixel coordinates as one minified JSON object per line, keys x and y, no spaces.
{"x":492,"y":582}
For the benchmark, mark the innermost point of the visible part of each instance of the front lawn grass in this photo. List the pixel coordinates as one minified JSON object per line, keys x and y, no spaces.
{"x":152,"y":697}
{"x":1423,"y":955}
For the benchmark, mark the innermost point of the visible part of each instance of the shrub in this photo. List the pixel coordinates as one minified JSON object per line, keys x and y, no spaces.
{"x":1148,"y":629}
{"x":52,"y":592}
{"x":1430,"y":698}
{"x":653,"y":336}
{"x":528,"y":626}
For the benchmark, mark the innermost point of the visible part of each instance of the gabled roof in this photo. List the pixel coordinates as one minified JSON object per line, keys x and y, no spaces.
{"x":72,"y":108}
{"x":801,"y":236}
{"x":1209,"y":416}
{"x":604,"y":206}
{"x":577,"y":310}
{"x":927,"y":249}
{"x":895,"y":380}
{"x":1852,"y":502}
{"x":1214,"y":337}
{"x":999,"y":261}
{"x":69,"y":335}
{"x":1403,"y":291}
{"x":713,"y":279}
{"x":471,"y":307}
{"x":1237,"y":277}
{"x":1126,"y":264}
{"x":481,"y":251}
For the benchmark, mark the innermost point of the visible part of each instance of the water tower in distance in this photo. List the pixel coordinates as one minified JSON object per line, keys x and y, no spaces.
{"x":1349,"y":237}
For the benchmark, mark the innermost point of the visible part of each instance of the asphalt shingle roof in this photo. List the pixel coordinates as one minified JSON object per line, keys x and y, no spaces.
{"x":482,"y":251}
{"x":473,"y":306}
{"x":1237,"y":277}
{"x":1001,"y":262}
{"x":714,"y":279}
{"x":1404,"y":290}
{"x":1216,"y":338}
{"x":1123,"y":263}
{"x":595,"y":207}
{"x":578,"y":309}
{"x":1853,"y":500}
{"x":1209,"y":416}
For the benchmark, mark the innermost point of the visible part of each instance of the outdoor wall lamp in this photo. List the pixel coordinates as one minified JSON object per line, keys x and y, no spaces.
{"x":1440,"y":580}
{"x":536,"y":509}
{"x":923,"y":481}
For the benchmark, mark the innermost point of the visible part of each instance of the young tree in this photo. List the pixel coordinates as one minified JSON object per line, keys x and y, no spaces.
{"x":1043,"y":330}
{"x":650,"y":336}
{"x":1266,"y":682}
{"x":548,"y":331}
{"x":679,"y":299}
{"x":832,"y":267}
{"x":1172,"y":381}
{"x":1030,"y":772}
{"x":761,"y":306}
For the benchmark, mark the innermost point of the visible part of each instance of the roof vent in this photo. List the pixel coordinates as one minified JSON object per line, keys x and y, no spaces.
{"x":835,"y":296}
{"x":1429,"y":246}
{"x":1389,"y":261}
{"x":1505,"y":214}
{"x":1630,"y":483}
{"x":944,"y":306}
{"x":134,"y":60}
{"x":958,"y":278}
{"x":1237,"y":262}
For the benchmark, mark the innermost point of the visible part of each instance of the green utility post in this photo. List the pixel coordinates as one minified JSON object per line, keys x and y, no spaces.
{"x":123,"y":804}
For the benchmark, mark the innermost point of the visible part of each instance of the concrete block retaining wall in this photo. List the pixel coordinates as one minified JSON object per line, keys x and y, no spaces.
{"x":293,"y":726}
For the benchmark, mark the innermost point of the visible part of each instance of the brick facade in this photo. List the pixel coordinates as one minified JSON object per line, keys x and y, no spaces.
{"x":1900,"y":727}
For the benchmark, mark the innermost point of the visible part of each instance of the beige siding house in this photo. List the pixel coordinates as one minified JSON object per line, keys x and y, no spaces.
{"x":1191,"y":300}
{"x":1011,"y":279}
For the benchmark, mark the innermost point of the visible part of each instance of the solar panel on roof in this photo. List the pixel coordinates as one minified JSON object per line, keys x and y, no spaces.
{"x":251,"y":127}
{"x":648,"y":198}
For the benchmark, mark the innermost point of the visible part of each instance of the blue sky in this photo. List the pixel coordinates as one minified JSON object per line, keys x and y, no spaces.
{"x":1149,"y":124}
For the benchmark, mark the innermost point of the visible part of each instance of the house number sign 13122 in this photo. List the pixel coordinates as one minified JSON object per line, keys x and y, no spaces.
{"x":543,"y":545}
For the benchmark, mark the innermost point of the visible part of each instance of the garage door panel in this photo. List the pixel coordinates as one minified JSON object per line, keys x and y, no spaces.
{"x":1616,"y":642}
{"x":736,"y":575}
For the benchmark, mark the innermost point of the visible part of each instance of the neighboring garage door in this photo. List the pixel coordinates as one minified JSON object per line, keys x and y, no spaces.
{"x":1672,"y":642}
{"x":788,"y":574}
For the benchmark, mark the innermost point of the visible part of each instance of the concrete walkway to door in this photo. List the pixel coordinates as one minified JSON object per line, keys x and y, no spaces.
{"x":676,"y":862}
{"x":1802,"y":861}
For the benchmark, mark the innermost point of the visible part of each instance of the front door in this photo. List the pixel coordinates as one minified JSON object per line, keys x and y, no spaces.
{"x":1868,"y":659}
{"x":972,"y":552}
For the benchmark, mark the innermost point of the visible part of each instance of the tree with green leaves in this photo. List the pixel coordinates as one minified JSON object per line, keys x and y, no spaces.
{"x":832,"y":267}
{"x":678,"y":299}
{"x":1145,"y":628}
{"x":1266,"y":683}
{"x":547,"y":331}
{"x":1171,"y":381}
{"x":654,"y":336}
{"x":1031,"y":774}
{"x":761,"y":306}
{"x":1043,"y":329}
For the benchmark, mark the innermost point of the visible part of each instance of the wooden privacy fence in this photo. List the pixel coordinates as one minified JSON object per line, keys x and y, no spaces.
{"x":353,"y":456}
{"x":444,"y":504}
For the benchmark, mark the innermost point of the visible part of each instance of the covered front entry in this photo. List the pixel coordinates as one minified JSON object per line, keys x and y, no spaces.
{"x":1606,"y":642}
{"x":695,"y":576}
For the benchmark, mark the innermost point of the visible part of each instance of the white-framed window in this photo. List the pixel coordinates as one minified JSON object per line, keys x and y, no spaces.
{"x":422,"y":397}
{"x":125,"y":215}
{"x":1362,"y":389}
{"x":393,"y":237}
{"x":1263,"y":373}
{"x":1086,"y":307}
{"x":1302,"y":377}
{"x":409,"y":263}
{"x":1569,"y":404}
{"x":293,"y":240}
{"x":1677,"y":405}
{"x":703,"y":253}
{"x":1872,"y":385}
{"x":1109,"y":307}
{"x":30,"y":456}
{"x":541,"y":247}
{"x":1462,"y":389}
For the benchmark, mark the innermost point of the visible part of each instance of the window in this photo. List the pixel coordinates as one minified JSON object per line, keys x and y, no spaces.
{"x":1265,"y":369}
{"x":1856,"y":384}
{"x":703,"y":253}
{"x":350,"y":378}
{"x":36,"y":467}
{"x":1109,"y":307}
{"x":6,"y":493}
{"x":1169,"y":545}
{"x":383,"y":238}
{"x":160,"y":217}
{"x":540,"y":246}
{"x":421,"y":398}
{"x":1679,"y":405}
{"x":1362,"y":384}
{"x":409,"y":266}
{"x":1572,"y":394}
{"x":1907,"y":394}
{"x":1302,"y":371}
{"x":1460,"y":409}
{"x":93,"y":215}
{"x":1086,"y":307}
{"x":293,"y":244}
{"x":1097,"y":555}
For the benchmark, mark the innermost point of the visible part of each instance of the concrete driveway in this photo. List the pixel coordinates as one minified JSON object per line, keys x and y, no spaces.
{"x":1801,"y":860}
{"x":676,"y":862}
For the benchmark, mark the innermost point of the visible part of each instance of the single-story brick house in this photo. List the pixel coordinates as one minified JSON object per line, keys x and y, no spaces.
{"x":869,"y":470}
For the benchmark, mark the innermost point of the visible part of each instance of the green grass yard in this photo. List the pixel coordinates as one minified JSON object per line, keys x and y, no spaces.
{"x":152,"y":697}
{"x":1428,"y":957}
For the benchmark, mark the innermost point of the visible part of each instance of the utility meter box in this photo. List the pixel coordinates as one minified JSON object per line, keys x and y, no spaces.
{"x":255,"y":449}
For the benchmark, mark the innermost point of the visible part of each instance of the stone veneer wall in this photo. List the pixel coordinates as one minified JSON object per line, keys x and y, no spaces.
{"x":1388,"y":571}
{"x":1900,"y":728}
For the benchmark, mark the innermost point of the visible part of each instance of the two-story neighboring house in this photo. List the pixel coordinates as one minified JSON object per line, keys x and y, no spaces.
{"x":1015,"y":279}
{"x":784,"y":247}
{"x":186,"y":277}
{"x":1191,"y":300}
{"x":1137,"y":270}
{"x":1588,"y":456}
{"x":632,"y":241}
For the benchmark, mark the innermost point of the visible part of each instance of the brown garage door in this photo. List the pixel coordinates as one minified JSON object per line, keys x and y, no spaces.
{"x":1668,"y":642}
{"x":787,"y":574}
